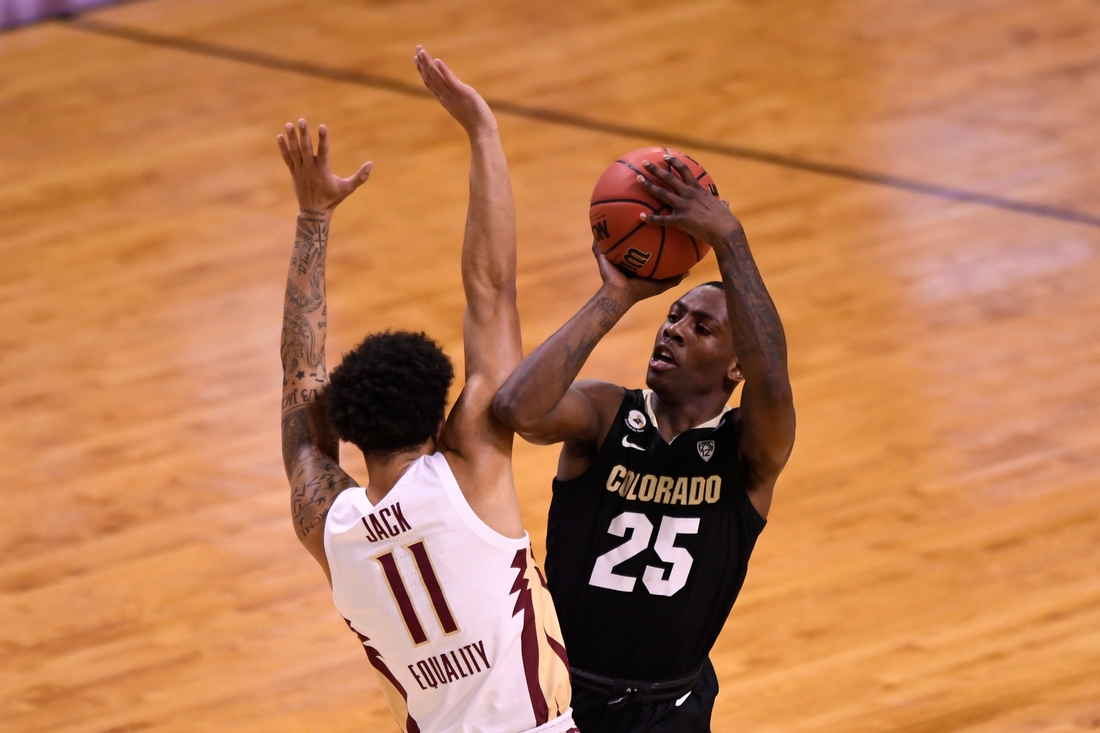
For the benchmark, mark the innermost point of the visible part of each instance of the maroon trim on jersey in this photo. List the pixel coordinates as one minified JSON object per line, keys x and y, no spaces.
{"x":529,"y":642}
{"x":375,"y":659}
{"x":431,"y":582}
{"x":558,"y":649}
{"x":397,"y":587}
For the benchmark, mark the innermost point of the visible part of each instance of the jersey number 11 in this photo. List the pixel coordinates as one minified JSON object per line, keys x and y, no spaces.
{"x":431,"y":585}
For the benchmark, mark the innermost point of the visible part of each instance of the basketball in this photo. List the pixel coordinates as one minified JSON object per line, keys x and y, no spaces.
{"x":643,"y":249}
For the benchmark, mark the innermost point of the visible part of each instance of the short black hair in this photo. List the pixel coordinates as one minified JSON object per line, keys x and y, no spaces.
{"x":390,"y":392}
{"x":714,"y":284}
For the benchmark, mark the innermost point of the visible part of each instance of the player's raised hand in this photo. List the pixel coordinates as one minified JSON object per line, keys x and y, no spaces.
{"x":635,"y":288}
{"x":314,"y":183}
{"x":461,"y":100}
{"x":694,"y":208}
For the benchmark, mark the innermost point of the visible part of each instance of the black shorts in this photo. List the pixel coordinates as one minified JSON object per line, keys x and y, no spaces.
{"x":692,"y":715}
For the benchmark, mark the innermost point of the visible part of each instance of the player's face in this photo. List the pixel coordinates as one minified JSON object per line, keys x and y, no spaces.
{"x":693,"y":353}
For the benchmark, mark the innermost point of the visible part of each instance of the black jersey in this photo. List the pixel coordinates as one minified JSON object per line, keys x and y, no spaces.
{"x":647,"y":550}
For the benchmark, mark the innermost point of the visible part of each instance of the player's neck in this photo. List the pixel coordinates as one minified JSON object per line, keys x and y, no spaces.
{"x":386,"y":470}
{"x":675,"y":416}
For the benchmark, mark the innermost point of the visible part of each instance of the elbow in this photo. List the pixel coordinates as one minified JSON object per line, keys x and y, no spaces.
{"x":508,"y":409}
{"x":776,"y":393}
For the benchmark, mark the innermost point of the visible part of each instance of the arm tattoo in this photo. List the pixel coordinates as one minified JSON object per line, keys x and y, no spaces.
{"x":310,"y":446}
{"x":303,"y":336}
{"x":316,"y":479}
{"x":310,"y":243}
{"x":299,"y":343}
{"x":296,"y":433}
{"x":610,"y":312}
{"x":754,"y":319}
{"x":313,"y":489}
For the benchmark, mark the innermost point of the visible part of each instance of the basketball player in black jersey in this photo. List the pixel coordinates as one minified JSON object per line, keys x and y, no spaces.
{"x":660,"y":495}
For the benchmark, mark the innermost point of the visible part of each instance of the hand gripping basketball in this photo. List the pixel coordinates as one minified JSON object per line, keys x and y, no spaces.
{"x":694,"y":208}
{"x":636,"y":288}
{"x":642,"y":249}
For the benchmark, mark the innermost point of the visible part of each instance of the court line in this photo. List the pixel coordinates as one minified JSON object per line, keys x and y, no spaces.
{"x":374,"y":81}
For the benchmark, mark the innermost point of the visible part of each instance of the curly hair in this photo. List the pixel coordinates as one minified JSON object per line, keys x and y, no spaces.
{"x":390,"y":392}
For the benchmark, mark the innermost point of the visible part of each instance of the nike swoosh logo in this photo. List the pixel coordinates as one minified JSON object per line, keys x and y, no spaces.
{"x":628,"y":444}
{"x":681,"y":700}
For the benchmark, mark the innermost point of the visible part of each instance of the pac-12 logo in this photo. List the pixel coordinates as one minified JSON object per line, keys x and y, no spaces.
{"x":635,"y":421}
{"x":705,"y":448}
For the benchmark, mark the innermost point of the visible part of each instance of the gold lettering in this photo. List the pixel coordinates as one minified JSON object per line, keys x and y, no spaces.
{"x":714,"y":489}
{"x":614,"y":478}
{"x":664,"y":490}
{"x":696,"y":494}
{"x":630,"y":490}
{"x":680,"y":493}
{"x":649,"y":486}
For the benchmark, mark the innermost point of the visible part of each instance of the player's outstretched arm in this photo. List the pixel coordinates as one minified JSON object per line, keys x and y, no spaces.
{"x":310,"y":447}
{"x":479,"y":445}
{"x":540,"y":400}
{"x":767,"y":406}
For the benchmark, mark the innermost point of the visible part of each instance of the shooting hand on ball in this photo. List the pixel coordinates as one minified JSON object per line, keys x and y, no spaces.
{"x":633,"y":288}
{"x":694,"y":209}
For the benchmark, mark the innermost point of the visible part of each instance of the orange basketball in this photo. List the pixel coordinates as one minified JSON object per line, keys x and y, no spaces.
{"x":643,"y":249}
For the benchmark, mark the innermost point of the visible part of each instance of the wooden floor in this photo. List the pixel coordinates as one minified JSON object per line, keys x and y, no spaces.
{"x":932,"y":562}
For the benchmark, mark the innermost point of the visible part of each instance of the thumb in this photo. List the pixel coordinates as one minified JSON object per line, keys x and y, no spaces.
{"x":601,"y":258}
{"x":360,"y":176}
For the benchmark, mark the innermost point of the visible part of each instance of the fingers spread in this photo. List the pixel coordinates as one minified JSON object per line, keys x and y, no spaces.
{"x":284,"y":151}
{"x":661,"y":194}
{"x":682,"y":168}
{"x":658,"y":220}
{"x":307,"y":143}
{"x":360,"y":176}
{"x":292,"y":144}
{"x":322,"y":145}
{"x":669,"y":180}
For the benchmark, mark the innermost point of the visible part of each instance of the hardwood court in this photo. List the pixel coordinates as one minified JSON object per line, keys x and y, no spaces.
{"x":931,"y":560}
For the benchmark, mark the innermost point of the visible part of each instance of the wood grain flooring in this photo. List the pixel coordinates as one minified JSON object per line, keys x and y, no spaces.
{"x":932,"y":559}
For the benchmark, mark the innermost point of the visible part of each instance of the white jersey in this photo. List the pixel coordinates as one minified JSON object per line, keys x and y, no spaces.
{"x":455,"y":618}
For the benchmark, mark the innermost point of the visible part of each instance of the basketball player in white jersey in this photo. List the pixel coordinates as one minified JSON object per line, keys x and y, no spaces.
{"x":429,"y":562}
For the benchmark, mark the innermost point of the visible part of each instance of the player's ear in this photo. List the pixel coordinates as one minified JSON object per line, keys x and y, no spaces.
{"x":439,"y":431}
{"x":734,"y":372}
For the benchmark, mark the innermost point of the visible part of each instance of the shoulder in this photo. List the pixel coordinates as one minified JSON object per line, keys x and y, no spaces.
{"x":605,"y":396}
{"x":608,"y":400}
{"x":731,"y":420}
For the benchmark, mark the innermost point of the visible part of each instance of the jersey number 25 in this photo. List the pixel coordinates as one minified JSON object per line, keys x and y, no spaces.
{"x":603,"y":572}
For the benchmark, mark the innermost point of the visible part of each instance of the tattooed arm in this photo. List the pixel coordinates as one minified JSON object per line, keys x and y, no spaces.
{"x":767,"y":405}
{"x":310,"y":447}
{"x":540,"y":400}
